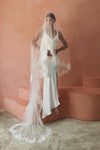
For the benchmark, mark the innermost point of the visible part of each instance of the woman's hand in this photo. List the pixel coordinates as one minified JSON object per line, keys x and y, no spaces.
{"x":48,"y":53}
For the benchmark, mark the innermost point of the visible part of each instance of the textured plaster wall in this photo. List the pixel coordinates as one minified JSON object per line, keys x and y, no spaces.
{"x":19,"y":21}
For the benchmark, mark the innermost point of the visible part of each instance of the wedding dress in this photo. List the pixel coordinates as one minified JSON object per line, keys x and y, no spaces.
{"x":50,"y":89}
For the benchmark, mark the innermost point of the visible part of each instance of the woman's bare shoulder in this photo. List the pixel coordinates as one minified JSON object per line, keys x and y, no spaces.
{"x":60,"y":33}
{"x":40,"y":32}
{"x":38,"y":35}
{"x":62,"y":38}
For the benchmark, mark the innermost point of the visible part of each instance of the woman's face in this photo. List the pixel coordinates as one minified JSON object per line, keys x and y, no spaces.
{"x":49,"y":21}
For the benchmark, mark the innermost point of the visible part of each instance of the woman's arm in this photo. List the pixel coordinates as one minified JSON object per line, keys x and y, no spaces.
{"x":65,"y":45}
{"x":35,"y":39}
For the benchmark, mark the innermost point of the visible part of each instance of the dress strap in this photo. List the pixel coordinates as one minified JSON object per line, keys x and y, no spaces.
{"x":57,"y":33}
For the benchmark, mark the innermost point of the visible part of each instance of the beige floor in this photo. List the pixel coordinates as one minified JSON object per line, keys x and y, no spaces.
{"x":68,"y":134}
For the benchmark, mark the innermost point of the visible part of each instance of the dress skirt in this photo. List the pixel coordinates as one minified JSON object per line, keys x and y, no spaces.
{"x":50,"y":87}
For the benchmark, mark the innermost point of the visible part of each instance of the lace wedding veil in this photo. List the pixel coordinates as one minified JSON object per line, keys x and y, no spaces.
{"x":32,"y":129}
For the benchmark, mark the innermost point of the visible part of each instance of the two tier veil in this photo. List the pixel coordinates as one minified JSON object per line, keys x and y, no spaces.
{"x":32,"y":129}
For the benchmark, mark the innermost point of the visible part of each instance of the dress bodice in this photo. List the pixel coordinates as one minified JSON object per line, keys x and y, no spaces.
{"x":48,"y":44}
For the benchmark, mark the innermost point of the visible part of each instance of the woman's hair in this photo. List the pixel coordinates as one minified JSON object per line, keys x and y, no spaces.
{"x":51,"y":15}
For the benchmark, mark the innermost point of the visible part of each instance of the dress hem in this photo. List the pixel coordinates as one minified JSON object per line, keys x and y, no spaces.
{"x":50,"y":111}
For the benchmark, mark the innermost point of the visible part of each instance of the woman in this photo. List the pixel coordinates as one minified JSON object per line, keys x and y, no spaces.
{"x":50,"y":96}
{"x":46,"y":64}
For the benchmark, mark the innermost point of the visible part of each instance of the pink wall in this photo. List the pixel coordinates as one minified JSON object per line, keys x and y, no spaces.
{"x":19,"y":20}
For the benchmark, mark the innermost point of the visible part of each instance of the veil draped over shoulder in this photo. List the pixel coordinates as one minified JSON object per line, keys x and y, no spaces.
{"x":32,"y":129}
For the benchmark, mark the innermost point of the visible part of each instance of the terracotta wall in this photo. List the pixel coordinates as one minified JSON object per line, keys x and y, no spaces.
{"x":20,"y":19}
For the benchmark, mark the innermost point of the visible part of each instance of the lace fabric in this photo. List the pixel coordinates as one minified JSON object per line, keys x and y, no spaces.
{"x":30,"y":133}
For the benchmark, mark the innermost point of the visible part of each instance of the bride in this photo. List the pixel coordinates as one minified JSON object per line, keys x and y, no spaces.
{"x":45,"y":63}
{"x":50,"y":93}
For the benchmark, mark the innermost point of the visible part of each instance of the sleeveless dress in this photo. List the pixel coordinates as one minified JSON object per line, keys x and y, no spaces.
{"x":50,"y":67}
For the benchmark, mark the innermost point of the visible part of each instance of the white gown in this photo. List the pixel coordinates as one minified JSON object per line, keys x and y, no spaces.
{"x":50,"y":89}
